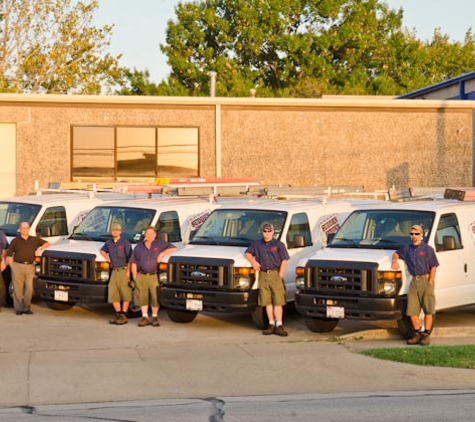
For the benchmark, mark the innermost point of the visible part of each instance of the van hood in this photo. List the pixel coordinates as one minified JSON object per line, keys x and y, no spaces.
{"x":75,"y":246}
{"x":381,"y":256}
{"x":221,"y":252}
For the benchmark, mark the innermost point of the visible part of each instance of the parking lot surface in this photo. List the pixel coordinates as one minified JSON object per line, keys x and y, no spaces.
{"x":75,"y":356}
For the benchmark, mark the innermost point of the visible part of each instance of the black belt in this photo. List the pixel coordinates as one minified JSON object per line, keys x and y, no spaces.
{"x":141,"y":272}
{"x":270,"y":271}
{"x":25,"y":263}
{"x":119,"y":268}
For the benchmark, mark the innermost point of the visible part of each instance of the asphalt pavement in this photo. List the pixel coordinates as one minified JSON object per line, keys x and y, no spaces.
{"x":75,"y":356}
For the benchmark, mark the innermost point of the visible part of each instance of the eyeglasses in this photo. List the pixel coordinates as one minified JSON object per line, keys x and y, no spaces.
{"x":415,"y":234}
{"x":267,"y":231}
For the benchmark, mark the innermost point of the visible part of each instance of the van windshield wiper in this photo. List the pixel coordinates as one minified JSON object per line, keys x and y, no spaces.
{"x":82,"y":236}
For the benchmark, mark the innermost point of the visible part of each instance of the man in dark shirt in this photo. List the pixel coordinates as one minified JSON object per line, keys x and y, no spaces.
{"x":269,"y":257}
{"x":23,"y":250}
{"x":422,"y":264}
{"x":3,"y":252}
{"x":144,"y":266}
{"x":118,"y":251}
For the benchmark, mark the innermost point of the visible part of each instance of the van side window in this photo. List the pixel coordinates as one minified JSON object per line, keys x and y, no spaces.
{"x":168,"y":222}
{"x":53,"y":223}
{"x":299,"y":225}
{"x":447,"y":237}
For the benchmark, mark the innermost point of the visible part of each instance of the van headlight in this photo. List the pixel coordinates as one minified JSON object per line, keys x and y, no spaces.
{"x":300,"y":278}
{"x":389,"y":283}
{"x":102,"y":271}
{"x":163,"y":272}
{"x":243,"y":278}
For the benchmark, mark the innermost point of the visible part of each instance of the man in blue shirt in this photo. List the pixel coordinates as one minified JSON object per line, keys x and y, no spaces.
{"x":269,"y":257}
{"x":118,"y":251}
{"x":422,"y":264}
{"x":3,"y":251}
{"x":144,"y":266}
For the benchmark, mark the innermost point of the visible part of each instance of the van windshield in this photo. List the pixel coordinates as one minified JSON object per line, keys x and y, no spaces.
{"x":381,"y":229}
{"x":13,"y":213}
{"x":237,"y":227}
{"x":96,"y":226}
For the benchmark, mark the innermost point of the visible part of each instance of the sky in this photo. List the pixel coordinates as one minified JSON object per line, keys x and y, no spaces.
{"x":140,"y":26}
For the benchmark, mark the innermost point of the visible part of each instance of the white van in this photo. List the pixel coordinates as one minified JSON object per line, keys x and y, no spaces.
{"x":211,"y":273}
{"x":73,"y":270}
{"x":352,"y":277}
{"x":51,"y":216}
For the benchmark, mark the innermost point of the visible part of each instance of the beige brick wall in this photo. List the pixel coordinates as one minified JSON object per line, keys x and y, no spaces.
{"x":373,"y":142}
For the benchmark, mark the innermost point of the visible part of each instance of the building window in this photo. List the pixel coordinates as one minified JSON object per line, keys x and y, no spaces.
{"x":93,"y":152}
{"x":177,"y":152}
{"x":114,"y":153}
{"x":136,"y":151}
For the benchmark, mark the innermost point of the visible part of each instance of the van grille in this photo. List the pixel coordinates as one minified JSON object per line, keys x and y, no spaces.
{"x":193,"y":271}
{"x":63,"y":266}
{"x":349,"y":278}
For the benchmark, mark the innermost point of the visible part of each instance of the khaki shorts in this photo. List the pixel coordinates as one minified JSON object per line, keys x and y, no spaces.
{"x":271,"y":289}
{"x":420,"y":296}
{"x":147,"y":290}
{"x":119,"y":290}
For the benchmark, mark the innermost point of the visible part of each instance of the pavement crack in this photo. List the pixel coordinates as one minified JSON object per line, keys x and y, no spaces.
{"x":218,"y":410}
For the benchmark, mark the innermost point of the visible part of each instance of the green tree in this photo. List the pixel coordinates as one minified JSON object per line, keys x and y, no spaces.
{"x":304,"y":48}
{"x":51,"y":46}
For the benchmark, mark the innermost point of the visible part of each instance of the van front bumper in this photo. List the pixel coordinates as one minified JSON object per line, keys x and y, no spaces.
{"x":210,"y":301}
{"x":363,"y":308}
{"x":67,"y":292}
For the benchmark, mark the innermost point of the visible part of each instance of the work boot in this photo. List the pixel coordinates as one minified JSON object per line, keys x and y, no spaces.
{"x":269,"y":330}
{"x":114,"y":319}
{"x":144,"y":322}
{"x":425,"y":339}
{"x":121,"y":319}
{"x":279,"y":331}
{"x":155,"y":322}
{"x":416,"y":339}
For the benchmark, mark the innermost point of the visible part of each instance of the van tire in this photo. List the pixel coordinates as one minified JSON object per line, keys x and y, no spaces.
{"x":259,"y":317}
{"x":321,"y":325}
{"x":181,"y":316}
{"x":134,"y":311}
{"x":59,"y":306}
{"x":405,"y":327}
{"x":8,"y":287}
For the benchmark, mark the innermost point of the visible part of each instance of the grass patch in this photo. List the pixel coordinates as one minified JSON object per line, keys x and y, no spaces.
{"x":449,"y":356}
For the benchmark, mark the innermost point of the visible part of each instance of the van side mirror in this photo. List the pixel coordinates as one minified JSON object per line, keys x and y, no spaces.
{"x":448,"y":243}
{"x":192,"y":235}
{"x":330,"y":237}
{"x":299,"y":241}
{"x":44,"y":231}
{"x":162,"y":236}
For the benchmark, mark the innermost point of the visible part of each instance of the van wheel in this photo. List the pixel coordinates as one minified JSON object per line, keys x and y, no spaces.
{"x":134,"y":311}
{"x":181,"y":316}
{"x":59,"y":306}
{"x":405,"y":328}
{"x":259,"y":317}
{"x":321,"y":325}
{"x":7,"y":279}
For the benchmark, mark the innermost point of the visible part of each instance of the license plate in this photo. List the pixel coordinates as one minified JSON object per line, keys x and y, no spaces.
{"x":335,"y":312}
{"x":194,"y":305}
{"x":61,"y":296}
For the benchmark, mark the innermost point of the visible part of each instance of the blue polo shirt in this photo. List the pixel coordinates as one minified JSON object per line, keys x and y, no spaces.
{"x":419,"y":259}
{"x":268,"y":254}
{"x":119,"y":252}
{"x":3,"y":241}
{"x":145,"y":258}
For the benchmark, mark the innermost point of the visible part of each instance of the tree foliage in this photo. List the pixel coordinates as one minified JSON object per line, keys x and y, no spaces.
{"x":304,"y":48}
{"x":51,"y":46}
